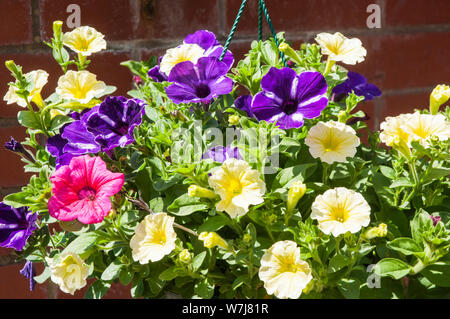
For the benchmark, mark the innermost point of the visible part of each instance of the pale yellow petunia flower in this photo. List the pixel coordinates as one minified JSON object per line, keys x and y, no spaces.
{"x":238,"y":186}
{"x":79,"y":85}
{"x":341,"y":49}
{"x":38,"y":79}
{"x":283,"y":272}
{"x":184,"y":52}
{"x":340,"y":210}
{"x":69,"y":272}
{"x":332,"y":141}
{"x":84,"y":40}
{"x":154,"y":238}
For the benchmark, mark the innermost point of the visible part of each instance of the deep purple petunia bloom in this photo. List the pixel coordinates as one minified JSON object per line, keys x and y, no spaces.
{"x":16,"y":226}
{"x":221,"y":154}
{"x":288,"y":98}
{"x":55,"y":146}
{"x":14,"y":146}
{"x":207,"y":41}
{"x":199,"y":83}
{"x":113,"y":122}
{"x":358,"y":84}
{"x":29,"y":272}
{"x":244,"y":103}
{"x":155,"y":73}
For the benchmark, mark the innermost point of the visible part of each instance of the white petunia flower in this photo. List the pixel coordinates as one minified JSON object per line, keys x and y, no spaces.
{"x":340,"y":48}
{"x":80,"y":85}
{"x":184,"y":52}
{"x":84,"y":40}
{"x":69,"y":272}
{"x":38,"y":79}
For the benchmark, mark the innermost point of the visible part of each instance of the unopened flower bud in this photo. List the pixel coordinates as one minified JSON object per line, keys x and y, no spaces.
{"x":212,"y":239}
{"x":185,"y":256}
{"x":401,"y":146}
{"x":297,"y":190}
{"x":374,"y":232}
{"x":439,"y":96}
{"x":342,"y":117}
{"x":435,"y":219}
{"x":289,"y":52}
{"x":198,"y":191}
{"x":233,"y":120}
{"x":57,"y":29}
{"x":247,"y":238}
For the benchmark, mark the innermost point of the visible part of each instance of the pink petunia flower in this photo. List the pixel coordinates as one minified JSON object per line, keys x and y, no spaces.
{"x":82,"y":190}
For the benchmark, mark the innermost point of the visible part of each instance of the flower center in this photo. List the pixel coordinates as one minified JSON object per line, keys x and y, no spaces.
{"x":235,"y":187}
{"x":289,"y":107}
{"x":339,"y":214}
{"x":87,"y":193}
{"x":202,"y":91}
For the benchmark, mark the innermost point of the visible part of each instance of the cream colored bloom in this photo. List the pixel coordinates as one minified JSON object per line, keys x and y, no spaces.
{"x":439,"y":96}
{"x":84,"y":40}
{"x":154,"y":238}
{"x":238,"y":186}
{"x":79,"y":85}
{"x":69,"y":272}
{"x":340,"y":210}
{"x":38,"y":79}
{"x":184,"y":52}
{"x":297,"y":190}
{"x":340,"y":48}
{"x":393,"y":127}
{"x":332,"y":141}
{"x":423,"y":127}
{"x":284,"y":274}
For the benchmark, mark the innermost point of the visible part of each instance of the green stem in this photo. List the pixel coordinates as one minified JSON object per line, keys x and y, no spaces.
{"x":328,"y":66}
{"x":325,"y":173}
{"x":269,"y":232}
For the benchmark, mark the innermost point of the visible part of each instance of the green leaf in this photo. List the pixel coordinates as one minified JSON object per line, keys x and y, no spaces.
{"x":58,"y":121}
{"x":405,"y":245}
{"x":125,"y":276}
{"x":198,"y":261}
{"x":29,"y":119}
{"x":337,"y":263}
{"x":420,"y":224}
{"x":388,"y":172}
{"x":402,"y":182}
{"x":288,"y":176}
{"x":112,"y":271}
{"x":186,"y":205}
{"x":97,"y":290}
{"x":82,"y":243}
{"x":137,"y":289}
{"x":436,"y":173}
{"x":438,"y":274}
{"x":43,"y":276}
{"x":213,"y":224}
{"x":204,"y":288}
{"x":239,"y":281}
{"x":17,"y":200}
{"x":392,"y":267}
{"x":349,"y":288}
{"x":171,"y":273}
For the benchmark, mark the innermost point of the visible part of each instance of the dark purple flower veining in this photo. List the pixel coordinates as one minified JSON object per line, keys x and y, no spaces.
{"x":16,"y":226}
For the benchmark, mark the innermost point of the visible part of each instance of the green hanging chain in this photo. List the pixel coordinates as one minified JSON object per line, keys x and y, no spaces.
{"x":261,"y":8}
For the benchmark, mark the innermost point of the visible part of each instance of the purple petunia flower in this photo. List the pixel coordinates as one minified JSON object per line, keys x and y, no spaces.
{"x":155,"y":73}
{"x":244,"y":103}
{"x":199,"y":83}
{"x":207,"y":41}
{"x":29,"y":272}
{"x":113,"y":122}
{"x":288,"y":98}
{"x":358,"y":84}
{"x":16,"y":226}
{"x":14,"y":146}
{"x":221,"y":154}
{"x":55,"y":146}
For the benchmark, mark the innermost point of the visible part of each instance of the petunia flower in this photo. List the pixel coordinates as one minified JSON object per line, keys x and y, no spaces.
{"x":154,"y":238}
{"x":340,"y":210}
{"x":84,"y":40}
{"x":238,"y":186}
{"x":198,"y":83}
{"x":113,"y":122}
{"x":332,"y":141}
{"x":82,"y":190}
{"x":38,"y":79}
{"x":14,"y":146}
{"x":29,"y":272}
{"x":283,"y":272}
{"x":358,"y":84}
{"x":340,"y":48}
{"x":182,"y":53}
{"x":244,"y":103}
{"x":68,"y":271}
{"x":221,"y":154}
{"x":439,"y":96}
{"x":81,"y":86}
{"x":16,"y":226}
{"x":287,"y":98}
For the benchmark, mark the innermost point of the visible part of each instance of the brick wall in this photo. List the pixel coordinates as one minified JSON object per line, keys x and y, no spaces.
{"x":406,"y":57}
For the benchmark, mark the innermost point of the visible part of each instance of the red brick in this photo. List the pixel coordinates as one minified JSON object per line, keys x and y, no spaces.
{"x":114,"y":18}
{"x":405,"y":103}
{"x":406,"y":60}
{"x":297,"y":16}
{"x":15,"y":23}
{"x":11,"y":166}
{"x":16,"y":286}
{"x":417,"y":12}
{"x":177,"y":18}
